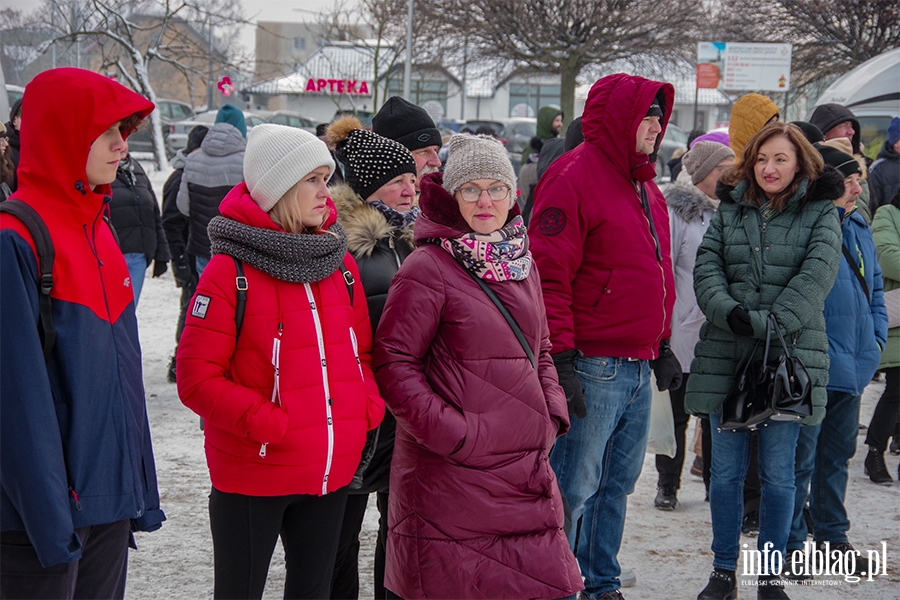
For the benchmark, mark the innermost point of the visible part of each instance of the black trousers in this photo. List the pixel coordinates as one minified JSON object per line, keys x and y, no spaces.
{"x":345,"y":580}
{"x":187,"y":294}
{"x":246,"y":528}
{"x":669,"y":469}
{"x":887,"y":411}
{"x":99,"y":573}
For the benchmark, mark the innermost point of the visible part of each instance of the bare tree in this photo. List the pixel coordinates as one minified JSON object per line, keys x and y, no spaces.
{"x":565,"y":36}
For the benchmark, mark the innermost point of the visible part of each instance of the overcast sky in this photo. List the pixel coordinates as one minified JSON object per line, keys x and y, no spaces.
{"x":254,"y":10}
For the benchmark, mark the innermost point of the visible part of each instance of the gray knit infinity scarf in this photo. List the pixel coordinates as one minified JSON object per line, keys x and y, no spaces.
{"x":292,"y":257}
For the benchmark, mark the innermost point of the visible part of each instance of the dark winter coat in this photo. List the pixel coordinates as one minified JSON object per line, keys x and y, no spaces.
{"x":785,"y":267}
{"x":314,"y":435}
{"x":75,"y":445}
{"x":13,"y":152}
{"x":379,"y":249}
{"x":827,"y":116}
{"x":605,"y":273}
{"x":690,"y":212}
{"x":856,"y":323}
{"x":134,"y":213}
{"x":176,"y":225}
{"x":884,"y":178}
{"x":209,"y":174}
{"x":475,"y":510}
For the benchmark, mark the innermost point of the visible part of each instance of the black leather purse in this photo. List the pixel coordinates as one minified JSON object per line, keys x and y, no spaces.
{"x":779,"y":389}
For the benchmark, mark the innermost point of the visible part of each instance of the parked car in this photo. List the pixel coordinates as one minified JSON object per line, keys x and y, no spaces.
{"x":364,"y":116}
{"x":674,"y":139}
{"x":169,"y":111}
{"x":179,"y":130}
{"x":13,"y":93}
{"x":496,"y":126}
{"x":518,"y":133}
{"x":292,"y":119}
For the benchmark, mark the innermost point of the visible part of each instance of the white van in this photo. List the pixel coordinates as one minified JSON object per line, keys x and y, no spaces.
{"x":872,"y":92}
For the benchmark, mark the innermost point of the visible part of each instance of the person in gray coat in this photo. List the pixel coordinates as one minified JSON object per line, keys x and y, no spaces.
{"x":691,"y":206}
{"x":209,"y":174}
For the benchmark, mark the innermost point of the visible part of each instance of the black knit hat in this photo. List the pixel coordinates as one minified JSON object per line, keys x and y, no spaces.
{"x":811,"y":132}
{"x":406,"y":123}
{"x":369,"y":160}
{"x":841,"y":161}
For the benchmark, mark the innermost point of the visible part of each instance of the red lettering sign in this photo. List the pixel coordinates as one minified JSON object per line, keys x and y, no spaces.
{"x":351,"y":86}
{"x":337,"y":86}
{"x":311,"y":85}
{"x":364,"y":88}
{"x":320,"y":85}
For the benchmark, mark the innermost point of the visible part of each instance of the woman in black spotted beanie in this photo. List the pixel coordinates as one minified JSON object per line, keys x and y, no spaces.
{"x":377,"y":208}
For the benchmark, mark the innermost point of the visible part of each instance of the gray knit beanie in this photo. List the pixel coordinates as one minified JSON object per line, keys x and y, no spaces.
{"x":473,"y":157}
{"x":703,"y":158}
{"x":277,"y":157}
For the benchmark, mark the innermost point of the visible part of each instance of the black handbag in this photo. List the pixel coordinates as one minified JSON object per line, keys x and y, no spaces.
{"x":779,"y":390}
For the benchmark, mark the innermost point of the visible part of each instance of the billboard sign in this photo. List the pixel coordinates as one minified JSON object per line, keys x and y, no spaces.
{"x":737,"y":66}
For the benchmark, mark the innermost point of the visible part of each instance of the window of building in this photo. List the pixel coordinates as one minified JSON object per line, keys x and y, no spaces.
{"x":299,"y":43}
{"x":421,"y":91}
{"x":526,"y":99}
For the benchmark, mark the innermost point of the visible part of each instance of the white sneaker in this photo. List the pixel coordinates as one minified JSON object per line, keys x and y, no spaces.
{"x":627,"y":578}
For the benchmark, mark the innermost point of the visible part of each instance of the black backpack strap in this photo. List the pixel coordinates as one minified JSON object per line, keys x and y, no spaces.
{"x":240,"y":282}
{"x":348,"y":279}
{"x":509,"y":318}
{"x":855,"y":268}
{"x":46,"y":255}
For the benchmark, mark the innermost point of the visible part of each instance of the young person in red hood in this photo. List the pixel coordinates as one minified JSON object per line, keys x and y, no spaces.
{"x":600,"y":236}
{"x":288,"y":399}
{"x":77,"y":465}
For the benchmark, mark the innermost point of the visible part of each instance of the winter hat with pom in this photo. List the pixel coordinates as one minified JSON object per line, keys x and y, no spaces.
{"x":473,"y":157}
{"x":703,"y":157}
{"x":277,"y":157}
{"x":369,"y":160}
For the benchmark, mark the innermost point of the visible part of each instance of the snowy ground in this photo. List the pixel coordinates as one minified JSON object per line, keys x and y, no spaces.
{"x":669,"y":552}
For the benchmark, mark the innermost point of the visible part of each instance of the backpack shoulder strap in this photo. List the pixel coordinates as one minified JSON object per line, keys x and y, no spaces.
{"x":349,"y":280}
{"x":46,"y":255}
{"x":240,"y":282}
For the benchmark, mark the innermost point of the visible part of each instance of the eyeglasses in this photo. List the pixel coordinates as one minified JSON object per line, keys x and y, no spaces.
{"x":495,"y":193}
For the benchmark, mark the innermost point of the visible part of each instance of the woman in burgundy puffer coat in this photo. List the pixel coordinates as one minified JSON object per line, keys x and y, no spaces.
{"x":475,"y":511}
{"x":288,"y":399}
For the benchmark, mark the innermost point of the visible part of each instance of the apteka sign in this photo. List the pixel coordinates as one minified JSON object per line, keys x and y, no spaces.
{"x":352,"y":87}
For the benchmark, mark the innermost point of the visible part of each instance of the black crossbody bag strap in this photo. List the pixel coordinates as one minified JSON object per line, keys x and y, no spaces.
{"x":240,"y":282}
{"x":509,"y":318}
{"x":862,"y":280}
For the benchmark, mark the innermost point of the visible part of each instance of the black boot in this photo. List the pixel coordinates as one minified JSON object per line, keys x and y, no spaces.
{"x":170,"y":372}
{"x":770,"y":587}
{"x":875,"y":467}
{"x":666,"y":498}
{"x":722,"y":586}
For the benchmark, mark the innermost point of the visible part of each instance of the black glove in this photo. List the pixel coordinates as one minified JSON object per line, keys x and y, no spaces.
{"x":565,"y":368}
{"x":739,"y":321}
{"x":182,"y":271}
{"x":667,"y":368}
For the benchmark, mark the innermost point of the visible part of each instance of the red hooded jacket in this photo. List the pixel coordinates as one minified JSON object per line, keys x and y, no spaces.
{"x":606,"y":269}
{"x":313,"y":442}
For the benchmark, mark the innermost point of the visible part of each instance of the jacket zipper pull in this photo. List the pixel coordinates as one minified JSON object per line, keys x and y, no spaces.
{"x":262,"y":450}
{"x":75,"y":497}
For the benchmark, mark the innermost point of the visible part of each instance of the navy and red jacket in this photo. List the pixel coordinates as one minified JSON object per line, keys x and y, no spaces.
{"x":605,"y":263}
{"x":75,"y":445}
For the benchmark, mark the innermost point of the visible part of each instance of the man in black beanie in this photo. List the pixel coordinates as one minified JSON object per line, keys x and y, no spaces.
{"x":411,"y":126}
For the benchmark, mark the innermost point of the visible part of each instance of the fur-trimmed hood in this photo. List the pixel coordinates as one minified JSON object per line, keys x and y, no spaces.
{"x":687,"y":201}
{"x":364,"y":224}
{"x":828,"y":186}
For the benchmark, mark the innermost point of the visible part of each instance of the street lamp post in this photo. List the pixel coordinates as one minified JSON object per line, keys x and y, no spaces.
{"x":407,"y":68}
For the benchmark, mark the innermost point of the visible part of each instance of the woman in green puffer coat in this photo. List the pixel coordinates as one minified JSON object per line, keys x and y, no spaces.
{"x":773,"y":247}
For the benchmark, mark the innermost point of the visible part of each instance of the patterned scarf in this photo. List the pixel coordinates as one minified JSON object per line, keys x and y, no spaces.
{"x":396,"y":218}
{"x":499,"y":256}
{"x":292,"y":257}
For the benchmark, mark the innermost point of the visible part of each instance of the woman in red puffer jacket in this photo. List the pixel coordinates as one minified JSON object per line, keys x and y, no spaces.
{"x":288,"y":399}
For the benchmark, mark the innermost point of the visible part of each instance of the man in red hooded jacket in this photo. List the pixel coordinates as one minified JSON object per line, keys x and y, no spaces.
{"x":600,"y":237}
{"x":77,"y":475}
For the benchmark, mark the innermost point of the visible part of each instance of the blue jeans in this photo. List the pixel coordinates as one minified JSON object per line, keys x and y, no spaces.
{"x":823,"y":454}
{"x":599,"y":460}
{"x":730,"y":457}
{"x":200,"y":263}
{"x":137,"y":266}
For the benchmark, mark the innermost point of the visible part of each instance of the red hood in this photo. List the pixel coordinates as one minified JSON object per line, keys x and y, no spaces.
{"x":615,"y":107}
{"x":65,"y":111}
{"x":240,"y":206}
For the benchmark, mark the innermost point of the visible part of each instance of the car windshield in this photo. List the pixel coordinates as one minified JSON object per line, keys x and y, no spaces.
{"x":676,"y":135}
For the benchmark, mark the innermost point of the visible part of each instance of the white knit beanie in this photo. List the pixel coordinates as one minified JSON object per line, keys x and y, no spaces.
{"x":477,"y":157}
{"x":277,"y":157}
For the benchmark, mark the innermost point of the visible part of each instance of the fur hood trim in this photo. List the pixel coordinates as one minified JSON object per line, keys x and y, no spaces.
{"x":687,"y":201}
{"x":364,"y":224}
